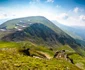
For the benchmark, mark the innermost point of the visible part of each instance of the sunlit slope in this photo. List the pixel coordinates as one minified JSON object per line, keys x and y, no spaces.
{"x":12,"y":58}
{"x":39,"y":30}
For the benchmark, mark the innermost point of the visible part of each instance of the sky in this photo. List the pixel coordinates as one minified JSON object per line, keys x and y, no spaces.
{"x":67,"y":12}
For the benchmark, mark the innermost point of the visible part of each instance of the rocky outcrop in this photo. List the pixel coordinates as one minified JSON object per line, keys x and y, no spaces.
{"x":62,"y":54}
{"x":25,"y":51}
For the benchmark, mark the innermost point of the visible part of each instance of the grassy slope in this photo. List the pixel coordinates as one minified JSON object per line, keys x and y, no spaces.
{"x":34,"y":19}
{"x":54,"y":63}
{"x":78,"y":61}
{"x":12,"y":59}
{"x":37,"y":19}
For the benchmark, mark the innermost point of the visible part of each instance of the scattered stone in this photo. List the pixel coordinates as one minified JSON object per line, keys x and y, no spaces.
{"x":37,"y":57}
{"x":62,"y":54}
{"x":17,"y":65}
{"x":80,"y":65}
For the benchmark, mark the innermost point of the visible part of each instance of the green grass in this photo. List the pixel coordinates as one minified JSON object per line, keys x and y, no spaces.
{"x":12,"y":59}
{"x":78,"y":60}
{"x":65,"y":47}
{"x":9,"y":45}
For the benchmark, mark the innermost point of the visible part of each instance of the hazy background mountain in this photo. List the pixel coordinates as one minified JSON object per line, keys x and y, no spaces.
{"x":76,"y":32}
{"x":3,"y":20}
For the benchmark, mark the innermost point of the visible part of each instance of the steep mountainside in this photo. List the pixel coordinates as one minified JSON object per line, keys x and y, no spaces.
{"x":40,"y":33}
{"x":27,"y":21}
{"x":39,"y":30}
{"x":21,"y":23}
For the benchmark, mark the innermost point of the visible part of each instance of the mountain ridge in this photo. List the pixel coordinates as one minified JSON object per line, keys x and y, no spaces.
{"x":41,"y":31}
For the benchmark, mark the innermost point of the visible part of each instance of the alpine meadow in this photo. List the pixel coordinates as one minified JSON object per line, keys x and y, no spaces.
{"x":42,"y":34}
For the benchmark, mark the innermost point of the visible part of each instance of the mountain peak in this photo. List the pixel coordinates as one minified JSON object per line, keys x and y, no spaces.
{"x":39,"y":30}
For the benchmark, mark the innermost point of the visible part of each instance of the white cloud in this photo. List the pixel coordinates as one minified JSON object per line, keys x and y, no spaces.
{"x":76,"y":9}
{"x":82,"y":17}
{"x":36,"y":0}
{"x":2,"y":15}
{"x":50,"y":1}
{"x":63,"y":16}
{"x":58,"y":6}
{"x":73,"y":21}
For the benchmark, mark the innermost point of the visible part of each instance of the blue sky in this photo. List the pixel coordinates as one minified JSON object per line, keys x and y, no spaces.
{"x":68,"y":12}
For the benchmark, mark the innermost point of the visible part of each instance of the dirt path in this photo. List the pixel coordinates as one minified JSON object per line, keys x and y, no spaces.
{"x":45,"y":54}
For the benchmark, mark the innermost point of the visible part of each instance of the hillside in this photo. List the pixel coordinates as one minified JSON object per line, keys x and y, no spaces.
{"x":11,"y":58}
{"x":38,"y":32}
{"x":31,"y":43}
{"x":21,"y":23}
{"x":41,"y":31}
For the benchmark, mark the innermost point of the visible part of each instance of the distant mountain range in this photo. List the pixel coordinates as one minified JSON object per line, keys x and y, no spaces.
{"x":3,"y":20}
{"x":76,"y":32}
{"x":39,"y":30}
